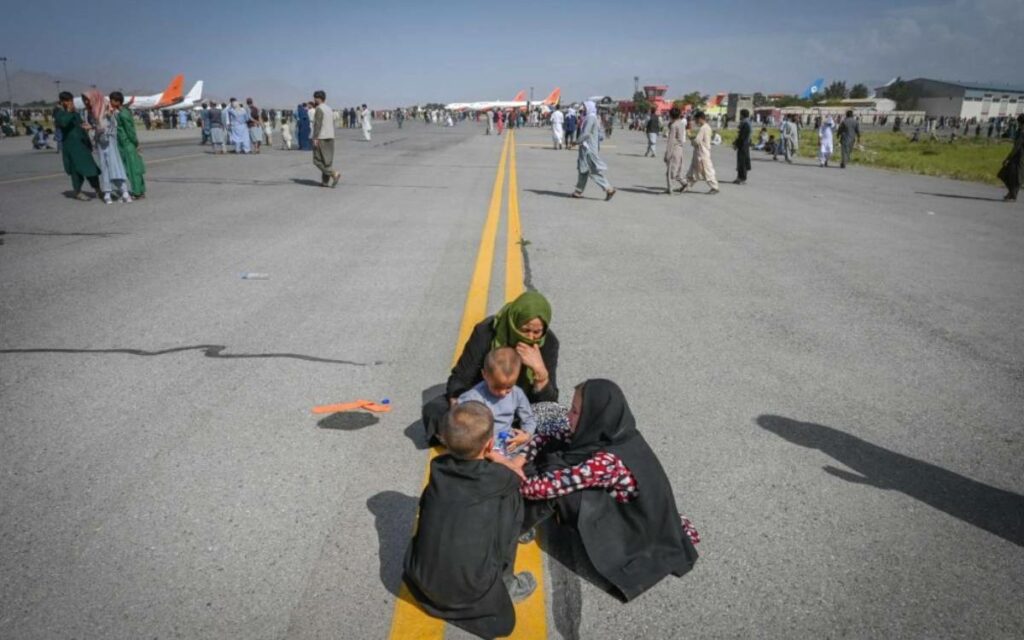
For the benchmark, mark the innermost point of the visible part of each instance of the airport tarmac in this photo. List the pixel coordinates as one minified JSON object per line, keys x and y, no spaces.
{"x":828,"y":364}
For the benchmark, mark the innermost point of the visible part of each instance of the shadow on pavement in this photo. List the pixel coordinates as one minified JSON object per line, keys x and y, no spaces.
{"x":256,"y":183}
{"x":393,"y":514}
{"x":995,"y":510}
{"x":545,"y":192}
{"x":957,"y":196}
{"x":570,"y":563}
{"x":647,"y":191}
{"x":59,"y":233}
{"x":433,"y":395}
{"x":307,"y":183}
{"x":348,"y":421}
{"x":209,"y":350}
{"x":417,"y":435}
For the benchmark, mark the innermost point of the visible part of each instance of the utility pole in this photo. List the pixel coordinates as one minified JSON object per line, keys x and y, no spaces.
{"x":636,"y":85}
{"x":10,"y":96}
{"x":531,"y":94}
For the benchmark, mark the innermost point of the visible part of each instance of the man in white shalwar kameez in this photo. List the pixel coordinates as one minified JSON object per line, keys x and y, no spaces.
{"x":701,"y":167}
{"x":825,"y":144}
{"x":557,"y":132}
{"x":365,"y":117}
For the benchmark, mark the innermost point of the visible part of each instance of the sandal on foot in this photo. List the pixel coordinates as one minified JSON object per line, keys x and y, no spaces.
{"x":608,"y":195}
{"x":575,"y":194}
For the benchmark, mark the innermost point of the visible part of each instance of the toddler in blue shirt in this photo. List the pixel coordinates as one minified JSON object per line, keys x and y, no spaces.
{"x":505,"y":399}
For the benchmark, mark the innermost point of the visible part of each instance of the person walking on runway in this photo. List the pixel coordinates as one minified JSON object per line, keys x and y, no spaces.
{"x":849,"y":135}
{"x":76,"y":149}
{"x":1012,"y":171}
{"x":701,"y":167}
{"x":674,"y":154}
{"x":742,"y":146}
{"x":323,"y":141}
{"x":588,"y":163}
{"x":653,"y":131}
{"x":365,"y":116}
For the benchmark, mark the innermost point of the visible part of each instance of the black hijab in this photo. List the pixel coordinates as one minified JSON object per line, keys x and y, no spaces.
{"x":605,"y":420}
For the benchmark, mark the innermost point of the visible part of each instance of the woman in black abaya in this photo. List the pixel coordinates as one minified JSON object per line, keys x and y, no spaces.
{"x":598,"y":474}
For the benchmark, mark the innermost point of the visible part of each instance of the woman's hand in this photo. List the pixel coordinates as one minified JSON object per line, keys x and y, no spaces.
{"x":530,"y":353}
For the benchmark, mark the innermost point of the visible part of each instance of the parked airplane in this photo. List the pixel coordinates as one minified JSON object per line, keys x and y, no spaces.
{"x":518,"y":103}
{"x":462,"y":106}
{"x":813,"y":90}
{"x":192,"y":98}
{"x":166,"y":98}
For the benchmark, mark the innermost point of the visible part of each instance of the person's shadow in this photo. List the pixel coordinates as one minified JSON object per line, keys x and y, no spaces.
{"x":394,"y":514}
{"x":995,"y":510}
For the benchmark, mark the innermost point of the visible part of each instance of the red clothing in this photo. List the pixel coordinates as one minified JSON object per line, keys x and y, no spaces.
{"x":602,"y":470}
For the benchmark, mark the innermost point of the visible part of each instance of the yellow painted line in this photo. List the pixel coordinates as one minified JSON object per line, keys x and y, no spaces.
{"x":410,"y":622}
{"x":531,"y":614}
{"x":59,"y":175}
{"x":513,"y":252}
{"x":476,"y":299}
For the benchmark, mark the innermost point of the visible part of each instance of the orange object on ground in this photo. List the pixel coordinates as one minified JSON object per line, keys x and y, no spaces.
{"x":352,"y":406}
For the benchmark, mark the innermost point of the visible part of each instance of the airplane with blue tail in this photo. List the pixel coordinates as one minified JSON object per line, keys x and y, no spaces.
{"x":816,"y":87}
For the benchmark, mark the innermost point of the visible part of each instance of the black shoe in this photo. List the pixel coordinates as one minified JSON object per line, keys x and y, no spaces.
{"x":520,"y":586}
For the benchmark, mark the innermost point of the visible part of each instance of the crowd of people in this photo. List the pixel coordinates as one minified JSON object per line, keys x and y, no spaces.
{"x":515,"y":458}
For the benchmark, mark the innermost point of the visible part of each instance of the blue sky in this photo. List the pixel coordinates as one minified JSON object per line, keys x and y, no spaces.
{"x":401,"y":52}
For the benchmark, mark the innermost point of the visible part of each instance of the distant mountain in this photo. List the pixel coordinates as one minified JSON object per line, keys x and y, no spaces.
{"x":29,"y":86}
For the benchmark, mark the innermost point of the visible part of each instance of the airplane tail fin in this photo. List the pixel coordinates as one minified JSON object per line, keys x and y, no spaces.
{"x":553,"y":99}
{"x":195,"y":94}
{"x":813,"y":89}
{"x":520,"y":96}
{"x":172,"y":94}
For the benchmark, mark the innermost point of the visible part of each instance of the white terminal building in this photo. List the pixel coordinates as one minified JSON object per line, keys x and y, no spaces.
{"x":983,"y":101}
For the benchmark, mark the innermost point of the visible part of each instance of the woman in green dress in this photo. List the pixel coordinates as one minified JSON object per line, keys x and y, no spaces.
{"x":76,"y":148}
{"x":128,"y":146}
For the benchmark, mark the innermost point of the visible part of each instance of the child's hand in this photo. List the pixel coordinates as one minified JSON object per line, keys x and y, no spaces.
{"x":514,"y":465}
{"x":517,"y":439}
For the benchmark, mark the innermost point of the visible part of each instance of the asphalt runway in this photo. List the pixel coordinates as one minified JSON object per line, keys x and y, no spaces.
{"x":830,"y":365}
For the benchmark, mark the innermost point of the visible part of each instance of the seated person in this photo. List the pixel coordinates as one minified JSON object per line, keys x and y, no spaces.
{"x":41,"y":139}
{"x":459,"y":565}
{"x":769,"y":146}
{"x":597,"y":473}
{"x":506,"y":401}
{"x":762,"y":139}
{"x":523,"y":324}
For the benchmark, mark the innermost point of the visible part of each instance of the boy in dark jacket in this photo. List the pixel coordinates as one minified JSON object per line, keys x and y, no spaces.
{"x":459,"y":565}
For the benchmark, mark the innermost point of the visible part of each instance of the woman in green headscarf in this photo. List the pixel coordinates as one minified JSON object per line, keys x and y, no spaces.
{"x":523,"y":324}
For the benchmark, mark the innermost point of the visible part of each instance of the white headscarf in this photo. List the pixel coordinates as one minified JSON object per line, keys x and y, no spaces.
{"x":591,"y":107}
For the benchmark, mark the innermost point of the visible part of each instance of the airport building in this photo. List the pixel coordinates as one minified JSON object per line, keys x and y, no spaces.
{"x":970,"y":100}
